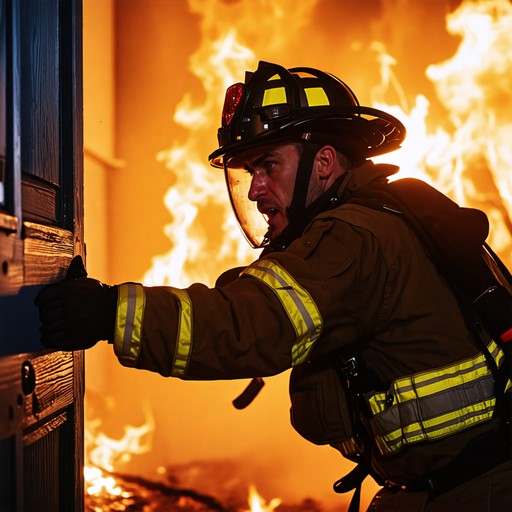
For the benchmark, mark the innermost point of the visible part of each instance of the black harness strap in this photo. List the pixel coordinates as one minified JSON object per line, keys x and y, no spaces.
{"x":359,"y":380}
{"x":300,"y":192}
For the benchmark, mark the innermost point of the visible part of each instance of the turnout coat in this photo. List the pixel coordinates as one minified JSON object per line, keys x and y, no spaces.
{"x":358,"y":281}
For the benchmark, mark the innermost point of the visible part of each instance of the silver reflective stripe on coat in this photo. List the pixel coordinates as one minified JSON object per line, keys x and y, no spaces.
{"x":131,"y":302}
{"x":184,"y":336}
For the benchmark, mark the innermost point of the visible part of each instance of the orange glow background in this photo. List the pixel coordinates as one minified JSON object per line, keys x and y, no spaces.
{"x":137,"y":71}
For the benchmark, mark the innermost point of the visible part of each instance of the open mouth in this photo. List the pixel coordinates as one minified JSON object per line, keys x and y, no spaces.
{"x":270,"y":214}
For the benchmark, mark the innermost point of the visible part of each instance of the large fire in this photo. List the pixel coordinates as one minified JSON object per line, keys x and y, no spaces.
{"x":470,"y":162}
{"x":467,"y":154}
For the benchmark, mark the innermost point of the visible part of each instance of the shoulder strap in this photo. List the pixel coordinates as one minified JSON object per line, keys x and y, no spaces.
{"x":455,"y":238}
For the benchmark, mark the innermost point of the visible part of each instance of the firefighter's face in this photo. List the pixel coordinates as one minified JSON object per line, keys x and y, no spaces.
{"x":273,"y":170}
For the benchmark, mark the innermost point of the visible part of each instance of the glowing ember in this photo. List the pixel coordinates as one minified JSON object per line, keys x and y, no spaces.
{"x":258,"y":504}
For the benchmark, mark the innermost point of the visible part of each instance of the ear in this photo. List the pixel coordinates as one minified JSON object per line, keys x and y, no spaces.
{"x":325,"y":162}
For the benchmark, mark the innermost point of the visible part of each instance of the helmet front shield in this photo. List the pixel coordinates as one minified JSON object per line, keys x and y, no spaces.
{"x":251,"y":221}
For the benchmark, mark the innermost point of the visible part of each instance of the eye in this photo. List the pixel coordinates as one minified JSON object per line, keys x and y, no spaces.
{"x":270,"y":164}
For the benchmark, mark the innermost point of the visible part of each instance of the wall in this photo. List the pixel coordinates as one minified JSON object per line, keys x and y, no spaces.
{"x":99,"y":159}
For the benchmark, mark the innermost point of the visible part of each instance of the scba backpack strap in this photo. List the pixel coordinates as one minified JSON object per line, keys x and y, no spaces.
{"x":454,"y":237}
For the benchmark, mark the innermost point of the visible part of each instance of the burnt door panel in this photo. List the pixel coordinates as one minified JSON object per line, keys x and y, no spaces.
{"x":40,"y":404}
{"x":39,"y":47}
{"x":3,"y":118}
{"x":41,"y":215}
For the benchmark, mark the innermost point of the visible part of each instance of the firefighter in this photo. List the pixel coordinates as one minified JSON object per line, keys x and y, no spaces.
{"x":371,"y":291}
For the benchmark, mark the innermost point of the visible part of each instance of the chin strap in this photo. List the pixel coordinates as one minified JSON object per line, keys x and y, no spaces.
{"x":300,"y":192}
{"x":295,"y":212}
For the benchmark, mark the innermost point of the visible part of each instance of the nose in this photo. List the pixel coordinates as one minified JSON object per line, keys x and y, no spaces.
{"x":258,"y":186}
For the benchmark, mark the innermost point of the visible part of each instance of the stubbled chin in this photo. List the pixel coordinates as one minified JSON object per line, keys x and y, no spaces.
{"x":275,"y":232}
{"x":277,"y":227}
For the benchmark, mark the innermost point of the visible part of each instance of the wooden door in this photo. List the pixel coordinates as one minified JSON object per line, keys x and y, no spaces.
{"x":41,"y":229}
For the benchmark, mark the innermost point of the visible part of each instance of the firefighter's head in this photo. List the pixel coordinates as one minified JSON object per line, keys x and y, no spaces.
{"x":273,"y":171}
{"x":305,"y":124}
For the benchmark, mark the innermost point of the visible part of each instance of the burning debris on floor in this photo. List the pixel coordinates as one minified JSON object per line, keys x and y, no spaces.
{"x":129,"y":493}
{"x":137,"y":494}
{"x":222,"y":485}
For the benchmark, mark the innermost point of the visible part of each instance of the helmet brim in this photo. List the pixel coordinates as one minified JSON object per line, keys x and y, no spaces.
{"x":359,"y":132}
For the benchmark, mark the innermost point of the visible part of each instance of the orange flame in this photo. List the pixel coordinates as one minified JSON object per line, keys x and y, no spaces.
{"x":197,"y":186}
{"x":107,"y":453}
{"x":258,"y":504}
{"x":472,"y":162}
{"x":220,"y":61}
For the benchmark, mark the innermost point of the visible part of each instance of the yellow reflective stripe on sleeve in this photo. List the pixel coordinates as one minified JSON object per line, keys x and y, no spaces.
{"x":274,"y":77}
{"x":297,"y":302}
{"x":316,"y":97}
{"x":131,"y":301}
{"x":274,"y":96}
{"x":184,"y":337}
{"x":434,"y":404}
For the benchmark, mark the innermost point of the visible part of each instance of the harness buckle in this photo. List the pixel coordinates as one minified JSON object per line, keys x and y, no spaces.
{"x":350,"y":367}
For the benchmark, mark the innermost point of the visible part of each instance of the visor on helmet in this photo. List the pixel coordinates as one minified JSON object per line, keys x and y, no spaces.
{"x":251,"y":221}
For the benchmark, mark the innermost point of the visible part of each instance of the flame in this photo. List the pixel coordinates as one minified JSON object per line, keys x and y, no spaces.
{"x":258,"y":504}
{"x":471,"y":162}
{"x":197,"y":186}
{"x":107,"y":453}
{"x":473,"y":85}
{"x":220,"y":61}
{"x":96,"y":482}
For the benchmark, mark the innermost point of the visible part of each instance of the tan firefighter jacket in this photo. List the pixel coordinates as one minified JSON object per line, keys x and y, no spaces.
{"x":356,"y":280}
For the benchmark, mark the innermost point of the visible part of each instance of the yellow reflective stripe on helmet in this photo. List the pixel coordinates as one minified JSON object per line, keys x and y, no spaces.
{"x":274,"y":77}
{"x":184,"y":337}
{"x":437,"y":403}
{"x":274,"y":96}
{"x":131,"y":301}
{"x":316,"y":97}
{"x":297,"y":302}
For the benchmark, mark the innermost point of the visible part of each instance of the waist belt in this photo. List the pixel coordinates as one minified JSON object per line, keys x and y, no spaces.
{"x":478,"y":457}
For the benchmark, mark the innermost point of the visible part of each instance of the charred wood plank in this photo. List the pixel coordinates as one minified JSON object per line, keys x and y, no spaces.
{"x":48,"y":251}
{"x":166,"y":490}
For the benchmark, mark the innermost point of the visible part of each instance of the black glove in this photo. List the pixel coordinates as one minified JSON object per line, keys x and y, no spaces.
{"x":78,"y":312}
